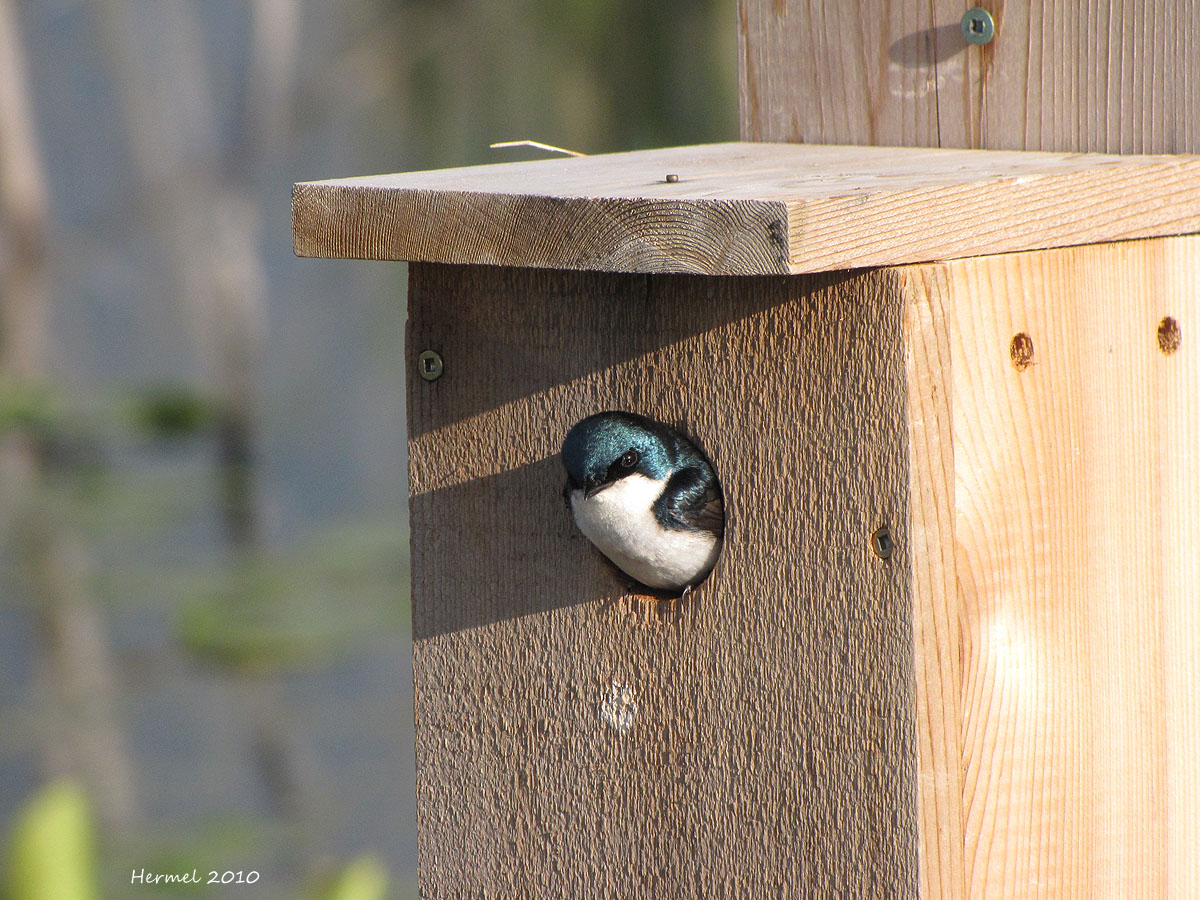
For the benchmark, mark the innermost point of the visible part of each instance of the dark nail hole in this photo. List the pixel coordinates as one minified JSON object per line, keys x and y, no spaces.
{"x":1020,"y":351}
{"x":1168,"y":335}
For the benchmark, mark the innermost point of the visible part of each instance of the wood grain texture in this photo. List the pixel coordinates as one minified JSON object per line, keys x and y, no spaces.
{"x":1055,"y":582}
{"x":829,"y":72}
{"x":1107,"y":76}
{"x":744,"y":209}
{"x":937,"y":611}
{"x":754,"y":740}
{"x":1008,"y":709}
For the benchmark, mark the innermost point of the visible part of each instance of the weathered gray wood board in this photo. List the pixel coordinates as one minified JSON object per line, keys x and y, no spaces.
{"x":1102,"y":76}
{"x":756,"y":739}
{"x":747,"y":209}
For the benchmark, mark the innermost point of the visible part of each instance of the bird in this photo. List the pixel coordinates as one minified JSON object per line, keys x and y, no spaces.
{"x":646,"y":497}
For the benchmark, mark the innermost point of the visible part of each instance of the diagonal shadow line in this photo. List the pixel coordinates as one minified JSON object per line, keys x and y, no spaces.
{"x":540,"y":561}
{"x":497,"y":541}
{"x":471,"y":316}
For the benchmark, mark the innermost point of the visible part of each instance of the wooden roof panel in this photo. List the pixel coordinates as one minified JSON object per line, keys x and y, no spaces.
{"x":748,"y":208}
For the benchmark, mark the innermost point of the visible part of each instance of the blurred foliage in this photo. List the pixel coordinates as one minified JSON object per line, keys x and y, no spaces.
{"x":301,"y":608}
{"x":34,"y":408}
{"x":172,"y":411}
{"x":365,"y":878}
{"x":380,"y":85}
{"x":590,"y":75}
{"x":238,"y":844}
{"x":51,"y":853}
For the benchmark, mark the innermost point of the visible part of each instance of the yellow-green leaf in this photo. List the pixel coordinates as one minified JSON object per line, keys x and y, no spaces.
{"x":51,"y":854}
{"x":365,"y":878}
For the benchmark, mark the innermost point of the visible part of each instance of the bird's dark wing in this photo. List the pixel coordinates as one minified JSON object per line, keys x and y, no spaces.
{"x":692,"y":499}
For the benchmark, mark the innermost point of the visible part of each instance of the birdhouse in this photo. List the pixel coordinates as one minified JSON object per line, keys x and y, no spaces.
{"x":952,"y":645}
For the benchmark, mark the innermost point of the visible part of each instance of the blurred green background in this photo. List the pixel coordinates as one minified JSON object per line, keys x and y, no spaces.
{"x":204,"y":644}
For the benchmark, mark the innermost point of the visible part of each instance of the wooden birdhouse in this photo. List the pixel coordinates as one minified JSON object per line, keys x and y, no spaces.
{"x":936,"y":323}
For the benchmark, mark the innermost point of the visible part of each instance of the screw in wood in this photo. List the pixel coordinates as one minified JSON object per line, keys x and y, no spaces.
{"x":978,"y":26}
{"x":429,"y":364}
{"x":882,"y":543}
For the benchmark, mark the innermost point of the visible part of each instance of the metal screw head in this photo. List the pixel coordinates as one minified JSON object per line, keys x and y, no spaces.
{"x":429,"y":364}
{"x":882,"y":543}
{"x":978,"y":27}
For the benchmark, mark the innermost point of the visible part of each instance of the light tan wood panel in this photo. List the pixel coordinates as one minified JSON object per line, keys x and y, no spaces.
{"x":753,"y":740}
{"x":1109,"y":76}
{"x":937,"y":612}
{"x":1177,"y":388}
{"x":1076,"y":508}
{"x":744,"y":209}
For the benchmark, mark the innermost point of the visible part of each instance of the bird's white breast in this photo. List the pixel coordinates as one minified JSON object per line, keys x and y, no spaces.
{"x":620,"y":521}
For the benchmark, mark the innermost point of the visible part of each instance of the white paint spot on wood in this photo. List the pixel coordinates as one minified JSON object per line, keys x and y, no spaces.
{"x":620,"y":709}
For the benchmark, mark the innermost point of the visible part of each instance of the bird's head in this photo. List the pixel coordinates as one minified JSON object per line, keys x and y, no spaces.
{"x":606,"y":447}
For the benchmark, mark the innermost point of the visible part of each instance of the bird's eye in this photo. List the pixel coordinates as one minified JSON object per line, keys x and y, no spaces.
{"x":629,"y":459}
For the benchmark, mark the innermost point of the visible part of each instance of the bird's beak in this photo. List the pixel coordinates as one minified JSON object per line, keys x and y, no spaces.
{"x":592,"y":489}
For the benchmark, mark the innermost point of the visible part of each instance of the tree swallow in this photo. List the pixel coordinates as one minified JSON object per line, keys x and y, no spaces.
{"x":646,"y":497}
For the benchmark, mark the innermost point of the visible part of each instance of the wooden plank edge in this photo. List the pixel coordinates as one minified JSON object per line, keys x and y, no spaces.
{"x":635,"y":235}
{"x":985,"y":218}
{"x":719,"y":236}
